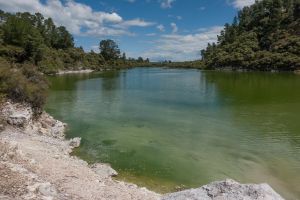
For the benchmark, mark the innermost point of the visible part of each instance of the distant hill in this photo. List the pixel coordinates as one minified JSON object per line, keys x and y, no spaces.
{"x":264,"y":36}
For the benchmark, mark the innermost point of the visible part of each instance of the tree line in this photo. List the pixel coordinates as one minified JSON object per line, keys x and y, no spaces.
{"x":31,"y":44}
{"x":34,"y":39}
{"x":264,"y":36}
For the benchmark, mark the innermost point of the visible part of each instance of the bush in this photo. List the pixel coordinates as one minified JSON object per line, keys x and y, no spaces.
{"x":24,"y":84}
{"x":12,"y":53}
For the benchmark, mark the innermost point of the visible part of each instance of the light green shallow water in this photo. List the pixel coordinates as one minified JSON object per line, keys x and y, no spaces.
{"x":166,"y":127}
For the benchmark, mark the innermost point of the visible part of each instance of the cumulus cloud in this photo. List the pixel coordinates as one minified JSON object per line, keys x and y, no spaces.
{"x":76,"y":17}
{"x":166,"y":3}
{"x":242,"y":3}
{"x":182,"y":47}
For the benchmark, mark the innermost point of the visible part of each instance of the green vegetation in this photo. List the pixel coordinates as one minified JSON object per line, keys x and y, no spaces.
{"x":23,"y":84}
{"x":109,"y":50}
{"x":35,"y":40}
{"x":31,"y":45}
{"x":197,"y":64}
{"x":265,"y":36}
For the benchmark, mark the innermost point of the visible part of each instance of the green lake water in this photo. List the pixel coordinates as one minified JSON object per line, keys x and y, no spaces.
{"x":163,"y":128}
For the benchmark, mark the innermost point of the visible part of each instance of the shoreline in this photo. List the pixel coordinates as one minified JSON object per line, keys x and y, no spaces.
{"x":35,"y":158}
{"x":87,"y":71}
{"x":84,"y":71}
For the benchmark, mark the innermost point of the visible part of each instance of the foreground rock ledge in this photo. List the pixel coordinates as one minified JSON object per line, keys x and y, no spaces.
{"x":35,"y":164}
{"x":227,"y":190}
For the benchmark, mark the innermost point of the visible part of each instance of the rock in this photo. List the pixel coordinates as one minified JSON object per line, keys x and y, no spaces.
{"x":19,"y":120}
{"x":2,"y":127}
{"x":46,"y":189}
{"x":50,"y":126}
{"x":75,"y":142}
{"x":104,"y":170}
{"x":21,"y":116}
{"x":16,"y":114}
{"x":180,"y":188}
{"x":44,"y":124}
{"x":11,"y":154}
{"x":43,"y":131}
{"x":225,"y":190}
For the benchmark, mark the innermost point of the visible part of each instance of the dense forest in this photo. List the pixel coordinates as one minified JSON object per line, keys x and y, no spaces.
{"x":31,"y":45}
{"x":33,"y":39}
{"x":264,"y":36}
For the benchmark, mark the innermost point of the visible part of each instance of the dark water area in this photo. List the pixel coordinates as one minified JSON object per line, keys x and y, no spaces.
{"x":163,"y":128}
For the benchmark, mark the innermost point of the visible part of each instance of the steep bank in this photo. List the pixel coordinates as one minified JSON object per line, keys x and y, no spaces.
{"x":35,"y":164}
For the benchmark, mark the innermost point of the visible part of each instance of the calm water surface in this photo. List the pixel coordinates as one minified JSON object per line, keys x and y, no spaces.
{"x":162,"y":128}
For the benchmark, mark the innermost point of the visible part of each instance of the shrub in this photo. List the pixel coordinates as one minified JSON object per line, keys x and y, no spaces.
{"x":24,"y":84}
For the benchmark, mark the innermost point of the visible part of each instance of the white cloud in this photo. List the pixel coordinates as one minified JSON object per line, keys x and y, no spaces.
{"x":166,"y":3}
{"x":105,"y":31}
{"x":76,"y":17}
{"x":182,"y":47}
{"x":242,"y":3}
{"x":151,"y":34}
{"x":135,"y":22}
{"x":174,"y":27}
{"x":161,"y":28}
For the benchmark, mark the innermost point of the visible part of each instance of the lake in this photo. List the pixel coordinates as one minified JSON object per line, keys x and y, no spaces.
{"x":164,"y":128}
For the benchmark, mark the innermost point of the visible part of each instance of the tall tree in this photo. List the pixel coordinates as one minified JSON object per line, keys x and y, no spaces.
{"x":109,"y":49}
{"x":264,"y":36}
{"x":64,"y":39}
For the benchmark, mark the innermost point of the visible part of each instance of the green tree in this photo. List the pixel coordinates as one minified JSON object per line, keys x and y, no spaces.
{"x":109,"y":50}
{"x":264,"y":36}
{"x":63,"y":39}
{"x":140,"y":59}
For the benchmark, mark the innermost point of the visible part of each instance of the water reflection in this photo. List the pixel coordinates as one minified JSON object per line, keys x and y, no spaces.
{"x":166,"y":127}
{"x":266,"y":109}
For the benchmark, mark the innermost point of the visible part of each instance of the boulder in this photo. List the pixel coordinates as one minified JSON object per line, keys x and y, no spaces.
{"x":104,"y":170}
{"x":19,"y":120}
{"x":53,"y":127}
{"x":46,"y":189}
{"x":226,"y":190}
{"x":75,"y":142}
{"x":16,"y":114}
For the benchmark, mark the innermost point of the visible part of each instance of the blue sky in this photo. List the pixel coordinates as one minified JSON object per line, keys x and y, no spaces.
{"x":158,"y":29}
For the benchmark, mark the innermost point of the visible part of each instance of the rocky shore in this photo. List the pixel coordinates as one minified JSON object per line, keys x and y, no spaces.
{"x":83,"y":71}
{"x":35,"y":163}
